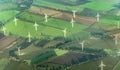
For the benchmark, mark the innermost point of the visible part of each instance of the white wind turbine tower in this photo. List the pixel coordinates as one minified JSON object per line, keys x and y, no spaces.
{"x":65,"y":32}
{"x":72,"y":22}
{"x":36,"y":26}
{"x":15,"y":21}
{"x":4,"y":30}
{"x":46,"y":17}
{"x":98,"y":17}
{"x":118,"y":53}
{"x":102,"y":65}
{"x":74,"y":13}
{"x":116,"y":39}
{"x":19,"y":52}
{"x":29,"y":37}
{"x":82,"y":44}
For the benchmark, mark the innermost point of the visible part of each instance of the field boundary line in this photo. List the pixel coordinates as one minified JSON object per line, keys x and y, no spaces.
{"x":116,"y":65}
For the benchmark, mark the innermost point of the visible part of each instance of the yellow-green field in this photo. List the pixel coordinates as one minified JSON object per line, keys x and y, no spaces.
{"x":60,"y":52}
{"x":53,"y":28}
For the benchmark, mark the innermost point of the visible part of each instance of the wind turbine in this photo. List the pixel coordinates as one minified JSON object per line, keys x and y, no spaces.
{"x":19,"y":52}
{"x":15,"y":21}
{"x":4,"y":30}
{"x":74,"y":13}
{"x":116,"y":39}
{"x":82,"y":44}
{"x":36,"y":26}
{"x":65,"y":32}
{"x":72,"y":22}
{"x":46,"y":17}
{"x":98,"y":17}
{"x":118,"y":53}
{"x":102,"y":65}
{"x":29,"y":37}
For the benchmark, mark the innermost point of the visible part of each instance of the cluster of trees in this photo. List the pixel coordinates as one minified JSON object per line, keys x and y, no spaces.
{"x":1,"y":35}
{"x":42,"y":57}
{"x":41,"y":43}
{"x":9,"y":1}
{"x":69,"y":2}
{"x":47,"y":67}
{"x":88,"y":12}
{"x":21,"y":4}
{"x":100,"y":35}
{"x":24,"y":4}
{"x":74,"y":2}
{"x":83,"y":58}
{"x":24,"y":44}
{"x":89,"y":50}
{"x":12,"y":54}
{"x":117,"y":5}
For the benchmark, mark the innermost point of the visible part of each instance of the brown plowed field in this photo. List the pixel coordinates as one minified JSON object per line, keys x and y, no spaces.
{"x":6,"y":41}
{"x":64,"y":15}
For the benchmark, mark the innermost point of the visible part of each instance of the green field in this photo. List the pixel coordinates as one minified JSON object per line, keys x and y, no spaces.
{"x":31,"y":17}
{"x":110,"y":20}
{"x":51,"y":21}
{"x":53,"y":28}
{"x":42,"y":54}
{"x":95,"y":5}
{"x":7,"y":6}
{"x":107,"y":20}
{"x":31,"y":51}
{"x":73,"y":0}
{"x":23,"y":28}
{"x":98,"y":6}
{"x":47,"y":55}
{"x":6,"y":15}
{"x":47,"y":43}
{"x":117,"y":67}
{"x":60,"y":24}
{"x":3,"y":63}
{"x":94,"y":65}
{"x":108,"y":1}
{"x":60,"y":52}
